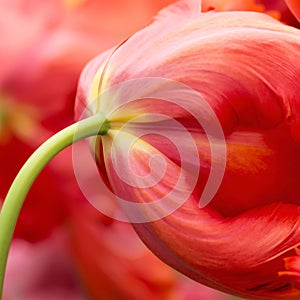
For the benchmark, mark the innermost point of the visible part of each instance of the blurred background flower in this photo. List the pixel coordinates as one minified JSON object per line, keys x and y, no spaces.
{"x":276,"y":8}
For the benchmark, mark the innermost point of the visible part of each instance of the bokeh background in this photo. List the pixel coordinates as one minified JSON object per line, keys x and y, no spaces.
{"x":64,"y":248}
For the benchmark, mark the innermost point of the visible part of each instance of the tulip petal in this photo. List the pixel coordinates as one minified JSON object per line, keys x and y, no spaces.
{"x":262,"y":167}
{"x":143,"y":172}
{"x":205,"y":247}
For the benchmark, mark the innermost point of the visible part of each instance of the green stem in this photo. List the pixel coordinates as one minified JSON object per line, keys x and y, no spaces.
{"x":94,"y":125}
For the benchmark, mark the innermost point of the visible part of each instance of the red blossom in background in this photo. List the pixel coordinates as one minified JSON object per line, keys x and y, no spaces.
{"x":43,"y":270}
{"x":276,"y":8}
{"x":279,"y":6}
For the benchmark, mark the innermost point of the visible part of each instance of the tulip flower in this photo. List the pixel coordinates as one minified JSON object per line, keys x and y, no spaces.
{"x":167,"y":91}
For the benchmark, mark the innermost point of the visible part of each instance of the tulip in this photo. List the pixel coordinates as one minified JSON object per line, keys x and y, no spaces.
{"x":167,"y":91}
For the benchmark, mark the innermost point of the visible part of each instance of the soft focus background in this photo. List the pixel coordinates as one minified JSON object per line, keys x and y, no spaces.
{"x":63,"y":248}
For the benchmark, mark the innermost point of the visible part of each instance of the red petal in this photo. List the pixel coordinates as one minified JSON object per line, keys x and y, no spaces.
{"x":239,"y":255}
{"x":144,"y":180}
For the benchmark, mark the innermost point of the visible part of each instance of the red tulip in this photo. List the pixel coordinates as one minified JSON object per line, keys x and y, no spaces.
{"x":165,"y":92}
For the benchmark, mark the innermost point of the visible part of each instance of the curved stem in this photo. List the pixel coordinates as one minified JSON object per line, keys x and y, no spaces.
{"x":94,"y":125}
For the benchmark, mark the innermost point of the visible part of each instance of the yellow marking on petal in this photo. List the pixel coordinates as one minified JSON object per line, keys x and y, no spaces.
{"x":101,"y":78}
{"x":95,"y":84}
{"x":248,"y":159}
{"x":136,"y":143}
{"x":118,"y":119}
{"x":246,"y":152}
{"x":99,"y":84}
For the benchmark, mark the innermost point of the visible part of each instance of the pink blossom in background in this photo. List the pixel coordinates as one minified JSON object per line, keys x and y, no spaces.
{"x":42,"y":270}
